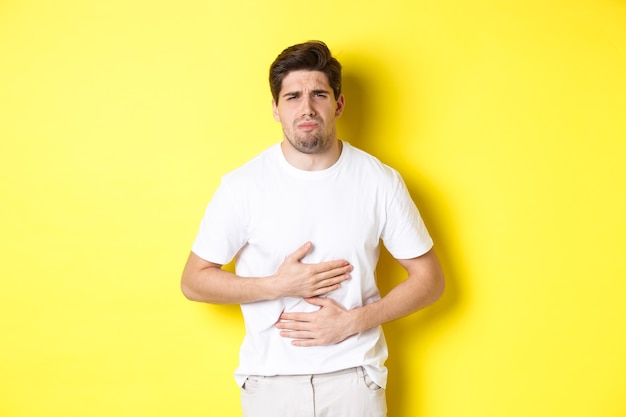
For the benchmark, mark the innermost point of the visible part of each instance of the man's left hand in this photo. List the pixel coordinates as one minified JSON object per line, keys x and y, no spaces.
{"x":327,"y":326}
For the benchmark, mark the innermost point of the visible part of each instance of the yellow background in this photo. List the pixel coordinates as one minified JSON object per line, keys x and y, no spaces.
{"x":506,"y":118}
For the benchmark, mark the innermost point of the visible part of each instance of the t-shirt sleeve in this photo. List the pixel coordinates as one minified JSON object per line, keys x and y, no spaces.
{"x":223,"y":229}
{"x":404,"y":235}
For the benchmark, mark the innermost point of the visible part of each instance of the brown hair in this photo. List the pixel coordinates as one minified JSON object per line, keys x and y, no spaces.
{"x":311,"y":56}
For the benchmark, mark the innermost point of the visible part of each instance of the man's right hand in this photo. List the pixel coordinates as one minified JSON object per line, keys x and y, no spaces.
{"x":297,"y":279}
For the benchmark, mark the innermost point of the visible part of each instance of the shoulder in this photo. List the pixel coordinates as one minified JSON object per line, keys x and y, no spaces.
{"x":253,"y":170}
{"x":370,"y":166}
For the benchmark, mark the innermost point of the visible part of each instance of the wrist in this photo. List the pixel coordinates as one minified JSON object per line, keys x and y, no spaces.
{"x":363,"y":319}
{"x":269,"y":288}
{"x":358,"y":320}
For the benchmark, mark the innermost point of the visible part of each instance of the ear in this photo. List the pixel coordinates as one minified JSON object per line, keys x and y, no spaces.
{"x":341,"y":103}
{"x":275,"y":111}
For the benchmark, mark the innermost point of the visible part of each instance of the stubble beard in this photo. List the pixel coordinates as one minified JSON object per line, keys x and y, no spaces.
{"x":311,"y":142}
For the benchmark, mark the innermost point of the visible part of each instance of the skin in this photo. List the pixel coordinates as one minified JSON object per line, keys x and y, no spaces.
{"x":307,"y":111}
{"x":207,"y":282}
{"x":332,"y":323}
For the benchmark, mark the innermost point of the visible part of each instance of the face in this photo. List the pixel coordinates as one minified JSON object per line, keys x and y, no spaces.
{"x":307,"y":110}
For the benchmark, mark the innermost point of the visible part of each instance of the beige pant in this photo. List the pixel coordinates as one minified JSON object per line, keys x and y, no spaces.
{"x":347,"y":393}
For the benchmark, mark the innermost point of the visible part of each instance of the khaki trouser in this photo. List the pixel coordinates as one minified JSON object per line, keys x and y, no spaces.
{"x":347,"y":393}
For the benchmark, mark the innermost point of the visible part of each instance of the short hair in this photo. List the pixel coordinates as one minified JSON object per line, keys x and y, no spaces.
{"x":311,"y":56}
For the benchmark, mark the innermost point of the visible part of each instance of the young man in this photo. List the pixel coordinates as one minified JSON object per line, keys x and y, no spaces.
{"x":304,"y":220}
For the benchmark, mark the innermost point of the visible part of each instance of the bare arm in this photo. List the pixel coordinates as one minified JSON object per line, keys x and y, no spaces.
{"x":332,"y":323}
{"x":423,"y":286}
{"x":207,"y":282}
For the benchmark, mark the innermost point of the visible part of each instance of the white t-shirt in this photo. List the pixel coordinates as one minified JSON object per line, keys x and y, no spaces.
{"x":266,"y":209}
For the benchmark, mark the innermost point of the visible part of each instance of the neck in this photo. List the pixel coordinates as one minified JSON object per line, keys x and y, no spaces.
{"x":315,"y":161}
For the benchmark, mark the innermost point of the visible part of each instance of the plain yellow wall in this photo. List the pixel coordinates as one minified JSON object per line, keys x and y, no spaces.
{"x":506,"y":118}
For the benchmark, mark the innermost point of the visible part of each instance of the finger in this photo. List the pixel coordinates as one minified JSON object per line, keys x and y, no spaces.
{"x":293,"y":317}
{"x":294,"y":334}
{"x":307,"y":342}
{"x":333,"y":268}
{"x":334,"y":280}
{"x":301,"y":252}
{"x":292,"y":326}
{"x":319,"y":301}
{"x":325,"y":289}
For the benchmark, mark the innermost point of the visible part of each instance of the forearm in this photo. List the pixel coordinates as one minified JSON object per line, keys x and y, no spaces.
{"x":209,"y":283}
{"x":423,"y":286}
{"x":332,"y":323}
{"x":217,"y":286}
{"x":403,"y":300}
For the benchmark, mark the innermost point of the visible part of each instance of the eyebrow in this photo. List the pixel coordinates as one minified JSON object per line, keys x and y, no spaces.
{"x":298,"y":93}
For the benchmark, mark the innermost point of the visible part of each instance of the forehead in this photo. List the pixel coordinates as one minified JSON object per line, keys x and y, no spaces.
{"x":303,"y":79}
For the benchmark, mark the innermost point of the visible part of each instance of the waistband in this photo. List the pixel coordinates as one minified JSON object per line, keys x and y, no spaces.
{"x":358,"y":370}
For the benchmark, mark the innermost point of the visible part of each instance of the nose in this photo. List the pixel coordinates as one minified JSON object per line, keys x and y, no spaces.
{"x":307,"y":108}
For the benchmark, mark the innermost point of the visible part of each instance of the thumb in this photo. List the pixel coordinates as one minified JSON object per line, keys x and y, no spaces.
{"x":319,"y":301}
{"x":301,"y":252}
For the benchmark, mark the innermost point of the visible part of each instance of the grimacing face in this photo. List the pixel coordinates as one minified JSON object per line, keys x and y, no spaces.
{"x":307,"y":110}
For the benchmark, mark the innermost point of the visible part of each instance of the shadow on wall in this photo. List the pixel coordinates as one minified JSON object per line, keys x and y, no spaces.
{"x":359,"y":125}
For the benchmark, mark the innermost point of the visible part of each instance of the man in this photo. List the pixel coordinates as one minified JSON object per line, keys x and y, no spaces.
{"x":304,"y":220}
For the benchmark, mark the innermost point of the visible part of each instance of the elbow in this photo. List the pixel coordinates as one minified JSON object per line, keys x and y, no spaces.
{"x":188,"y":291}
{"x":437,"y":281}
{"x":438,"y":287}
{"x":195,"y":289}
{"x":435,"y":288}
